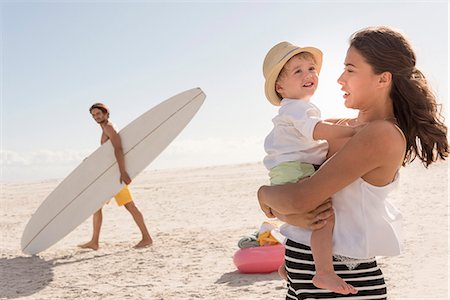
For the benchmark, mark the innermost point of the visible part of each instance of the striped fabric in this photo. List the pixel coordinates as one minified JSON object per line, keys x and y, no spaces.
{"x":366,"y":276}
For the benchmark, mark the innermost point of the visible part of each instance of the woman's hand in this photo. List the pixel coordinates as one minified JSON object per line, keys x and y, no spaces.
{"x":313,"y":220}
{"x":264,"y":207}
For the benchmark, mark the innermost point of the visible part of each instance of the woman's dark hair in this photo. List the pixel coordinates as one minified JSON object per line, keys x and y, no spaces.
{"x":415,"y":107}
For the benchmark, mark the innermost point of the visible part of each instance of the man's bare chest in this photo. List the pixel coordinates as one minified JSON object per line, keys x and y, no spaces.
{"x":104,"y":138}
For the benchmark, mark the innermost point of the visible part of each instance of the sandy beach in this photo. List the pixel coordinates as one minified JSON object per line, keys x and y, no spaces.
{"x":196,"y":217}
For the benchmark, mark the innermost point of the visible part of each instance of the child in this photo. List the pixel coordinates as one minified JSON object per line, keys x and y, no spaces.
{"x":296,"y":146}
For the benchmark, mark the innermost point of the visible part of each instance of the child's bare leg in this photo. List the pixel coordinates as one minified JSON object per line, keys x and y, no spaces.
{"x":139,"y":219}
{"x":282,"y":271}
{"x":97,"y":219}
{"x":322,"y":250}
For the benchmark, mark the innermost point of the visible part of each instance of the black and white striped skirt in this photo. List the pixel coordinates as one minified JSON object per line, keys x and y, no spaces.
{"x":365,"y":276}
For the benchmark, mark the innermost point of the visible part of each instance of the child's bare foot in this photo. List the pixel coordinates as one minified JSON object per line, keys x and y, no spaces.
{"x":282,"y":271}
{"x":89,"y":245}
{"x":334,"y":283}
{"x":144,"y":243}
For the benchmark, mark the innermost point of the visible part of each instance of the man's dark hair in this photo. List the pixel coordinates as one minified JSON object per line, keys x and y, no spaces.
{"x":100,"y":106}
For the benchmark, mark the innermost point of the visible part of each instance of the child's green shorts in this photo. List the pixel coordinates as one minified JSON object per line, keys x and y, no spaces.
{"x":290,"y":172}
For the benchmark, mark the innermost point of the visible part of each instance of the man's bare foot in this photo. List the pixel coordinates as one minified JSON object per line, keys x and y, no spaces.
{"x":334,"y":283}
{"x":89,"y":245}
{"x":282,"y":272}
{"x":144,"y":243}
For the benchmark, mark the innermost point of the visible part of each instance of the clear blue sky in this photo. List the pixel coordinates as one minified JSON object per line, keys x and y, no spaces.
{"x":58,"y":57}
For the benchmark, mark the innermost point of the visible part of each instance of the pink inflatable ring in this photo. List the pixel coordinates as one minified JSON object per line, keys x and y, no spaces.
{"x":264,"y":259}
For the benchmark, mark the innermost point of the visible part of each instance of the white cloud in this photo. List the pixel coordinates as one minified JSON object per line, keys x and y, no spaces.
{"x":46,"y":164}
{"x":211,"y":151}
{"x":41,"y":157}
{"x":38,"y":165}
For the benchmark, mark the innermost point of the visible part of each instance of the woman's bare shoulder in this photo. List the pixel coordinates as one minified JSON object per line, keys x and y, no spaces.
{"x":384,"y":138}
{"x":375,"y":153}
{"x":383,"y":128}
{"x":382,"y":146}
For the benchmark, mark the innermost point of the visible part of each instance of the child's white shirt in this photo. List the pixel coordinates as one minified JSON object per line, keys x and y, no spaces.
{"x":291,"y":139}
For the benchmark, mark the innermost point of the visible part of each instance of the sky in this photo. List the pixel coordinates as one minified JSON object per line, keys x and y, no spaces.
{"x":59,"y":57}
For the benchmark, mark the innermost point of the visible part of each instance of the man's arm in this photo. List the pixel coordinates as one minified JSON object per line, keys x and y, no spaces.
{"x":114,"y":137}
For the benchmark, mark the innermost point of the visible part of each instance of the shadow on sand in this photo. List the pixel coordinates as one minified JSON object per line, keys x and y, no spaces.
{"x":238,"y":279}
{"x":26,"y":275}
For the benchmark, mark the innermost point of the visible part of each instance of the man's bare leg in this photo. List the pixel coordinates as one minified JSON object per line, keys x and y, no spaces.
{"x":139,"y":219}
{"x":97,"y":219}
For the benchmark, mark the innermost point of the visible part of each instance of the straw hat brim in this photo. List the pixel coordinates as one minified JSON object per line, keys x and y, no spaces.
{"x":269,"y":86}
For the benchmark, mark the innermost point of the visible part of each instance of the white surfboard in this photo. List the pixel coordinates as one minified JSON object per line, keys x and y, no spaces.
{"x":96,"y":179}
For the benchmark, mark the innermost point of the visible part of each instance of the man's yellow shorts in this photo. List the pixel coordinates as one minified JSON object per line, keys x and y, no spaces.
{"x":124,"y":196}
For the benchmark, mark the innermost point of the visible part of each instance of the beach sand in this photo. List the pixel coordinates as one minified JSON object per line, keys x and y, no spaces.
{"x":196,"y":217}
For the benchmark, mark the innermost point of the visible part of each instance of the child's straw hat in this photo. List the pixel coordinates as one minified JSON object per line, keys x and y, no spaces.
{"x":276,"y":58}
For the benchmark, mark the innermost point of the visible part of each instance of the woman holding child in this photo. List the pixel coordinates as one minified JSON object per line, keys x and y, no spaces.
{"x":403,"y":122}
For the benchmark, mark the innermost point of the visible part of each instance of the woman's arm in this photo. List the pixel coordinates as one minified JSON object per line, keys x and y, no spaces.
{"x":313,"y":220}
{"x":376,"y":152}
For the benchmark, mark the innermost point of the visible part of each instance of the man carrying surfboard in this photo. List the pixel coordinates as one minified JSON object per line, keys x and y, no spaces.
{"x":100,"y":113}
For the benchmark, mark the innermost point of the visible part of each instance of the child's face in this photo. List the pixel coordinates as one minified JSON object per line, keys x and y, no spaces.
{"x":299,"y":79}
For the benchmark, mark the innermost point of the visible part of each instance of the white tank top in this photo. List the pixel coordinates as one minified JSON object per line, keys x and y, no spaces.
{"x":366,"y":224}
